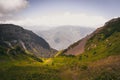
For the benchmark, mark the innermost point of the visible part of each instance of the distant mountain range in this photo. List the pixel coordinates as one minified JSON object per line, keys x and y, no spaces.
{"x":12,"y":36}
{"x":61,"y":37}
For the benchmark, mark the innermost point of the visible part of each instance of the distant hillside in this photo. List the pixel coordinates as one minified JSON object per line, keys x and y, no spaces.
{"x":12,"y":36}
{"x":61,"y":37}
{"x":106,"y":37}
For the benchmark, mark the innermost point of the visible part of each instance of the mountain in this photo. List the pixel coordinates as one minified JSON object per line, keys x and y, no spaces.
{"x":98,"y":58}
{"x":95,"y":57}
{"x":106,"y":37}
{"x":12,"y":36}
{"x":61,"y":37}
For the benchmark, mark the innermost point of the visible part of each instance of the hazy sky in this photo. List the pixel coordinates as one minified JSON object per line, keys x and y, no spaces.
{"x":34,"y":14}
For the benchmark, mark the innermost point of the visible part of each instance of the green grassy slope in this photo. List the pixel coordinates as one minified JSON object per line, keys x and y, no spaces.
{"x":105,"y":43}
{"x":100,"y":61}
{"x":18,"y":65}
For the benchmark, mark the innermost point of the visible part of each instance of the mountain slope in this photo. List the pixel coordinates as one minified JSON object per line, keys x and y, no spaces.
{"x":100,"y":60}
{"x":12,"y":36}
{"x":101,"y":35}
{"x":61,"y":37}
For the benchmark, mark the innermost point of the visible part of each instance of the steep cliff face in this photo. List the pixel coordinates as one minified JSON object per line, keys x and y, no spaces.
{"x":13,"y":35}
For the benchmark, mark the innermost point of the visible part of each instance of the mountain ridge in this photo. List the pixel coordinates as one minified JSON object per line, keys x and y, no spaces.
{"x":100,"y":59}
{"x":12,"y":35}
{"x":103,"y":32}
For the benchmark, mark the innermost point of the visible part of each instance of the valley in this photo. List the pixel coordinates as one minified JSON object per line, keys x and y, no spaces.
{"x":98,"y":60}
{"x":63,"y":36}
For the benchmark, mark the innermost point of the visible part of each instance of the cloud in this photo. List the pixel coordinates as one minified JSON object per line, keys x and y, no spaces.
{"x":67,"y":18}
{"x":9,"y":7}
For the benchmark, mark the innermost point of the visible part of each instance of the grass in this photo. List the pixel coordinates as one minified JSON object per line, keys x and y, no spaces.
{"x":99,"y":49}
{"x":27,"y":69}
{"x":57,"y":68}
{"x":100,"y":61}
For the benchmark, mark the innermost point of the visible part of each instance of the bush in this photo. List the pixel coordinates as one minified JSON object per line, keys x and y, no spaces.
{"x":84,"y":67}
{"x":107,"y":76}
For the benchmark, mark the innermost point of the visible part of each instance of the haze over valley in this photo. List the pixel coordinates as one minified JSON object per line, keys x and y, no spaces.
{"x":61,"y":37}
{"x":59,"y":40}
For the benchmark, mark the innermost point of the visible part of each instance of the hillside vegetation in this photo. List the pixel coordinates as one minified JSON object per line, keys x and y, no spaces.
{"x":99,"y":61}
